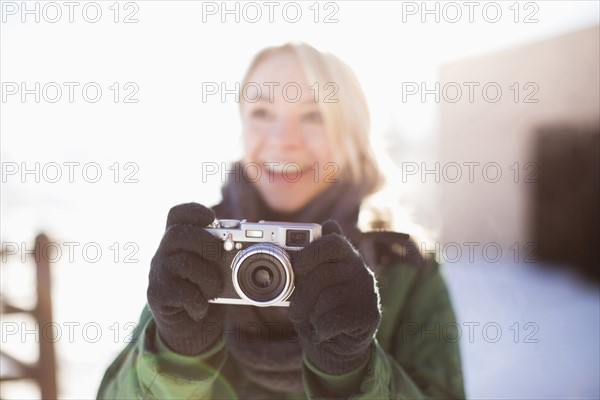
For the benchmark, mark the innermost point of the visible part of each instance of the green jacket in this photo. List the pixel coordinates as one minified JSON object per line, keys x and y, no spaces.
{"x":415,"y":354}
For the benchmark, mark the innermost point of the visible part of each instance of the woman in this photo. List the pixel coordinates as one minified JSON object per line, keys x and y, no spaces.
{"x":361,"y":325}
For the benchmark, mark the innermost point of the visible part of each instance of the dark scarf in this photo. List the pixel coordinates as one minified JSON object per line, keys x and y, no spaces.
{"x":262,"y":341}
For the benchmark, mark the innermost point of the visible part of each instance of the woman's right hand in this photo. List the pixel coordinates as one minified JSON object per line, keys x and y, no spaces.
{"x":185,"y":273}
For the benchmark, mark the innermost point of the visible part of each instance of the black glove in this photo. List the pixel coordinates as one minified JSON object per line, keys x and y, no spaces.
{"x":335,"y":305}
{"x":185,"y":272}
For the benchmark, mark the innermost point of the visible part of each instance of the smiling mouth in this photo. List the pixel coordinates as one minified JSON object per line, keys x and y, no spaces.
{"x":289,"y":168}
{"x":285,"y":172}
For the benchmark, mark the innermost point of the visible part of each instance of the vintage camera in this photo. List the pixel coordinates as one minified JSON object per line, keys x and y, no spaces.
{"x":257,"y":256}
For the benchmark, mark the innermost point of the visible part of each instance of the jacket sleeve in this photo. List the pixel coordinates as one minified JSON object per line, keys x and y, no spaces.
{"x":146,"y":369}
{"x":415,"y":354}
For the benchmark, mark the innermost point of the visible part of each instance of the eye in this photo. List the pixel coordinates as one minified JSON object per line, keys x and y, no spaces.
{"x":313,"y":117}
{"x":260,"y":113}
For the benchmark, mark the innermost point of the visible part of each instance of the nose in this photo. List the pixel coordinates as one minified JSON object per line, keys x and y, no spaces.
{"x":286,"y":132}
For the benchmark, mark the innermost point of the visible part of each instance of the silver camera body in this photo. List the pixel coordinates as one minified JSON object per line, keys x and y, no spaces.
{"x":257,"y":257}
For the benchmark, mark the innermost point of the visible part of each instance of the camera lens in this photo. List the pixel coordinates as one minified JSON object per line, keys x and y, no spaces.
{"x":263,"y":274}
{"x":262,"y":277}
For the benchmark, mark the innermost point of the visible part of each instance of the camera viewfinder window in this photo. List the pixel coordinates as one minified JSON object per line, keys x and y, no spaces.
{"x":296,"y":238}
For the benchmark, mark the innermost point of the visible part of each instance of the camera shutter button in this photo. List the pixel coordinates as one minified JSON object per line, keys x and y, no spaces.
{"x":228,"y":245}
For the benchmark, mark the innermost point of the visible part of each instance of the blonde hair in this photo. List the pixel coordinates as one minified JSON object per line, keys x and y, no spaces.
{"x":347,"y":120}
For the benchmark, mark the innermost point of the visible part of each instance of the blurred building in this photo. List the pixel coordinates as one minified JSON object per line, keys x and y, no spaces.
{"x":519,"y":152}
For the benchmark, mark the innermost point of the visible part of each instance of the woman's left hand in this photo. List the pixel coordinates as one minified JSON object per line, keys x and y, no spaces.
{"x":335,"y":305}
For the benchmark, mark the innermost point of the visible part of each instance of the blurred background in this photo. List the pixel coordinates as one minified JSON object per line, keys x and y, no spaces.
{"x":485,"y":115}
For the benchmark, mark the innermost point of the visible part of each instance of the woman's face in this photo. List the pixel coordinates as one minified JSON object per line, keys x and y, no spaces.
{"x":285,"y":139}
